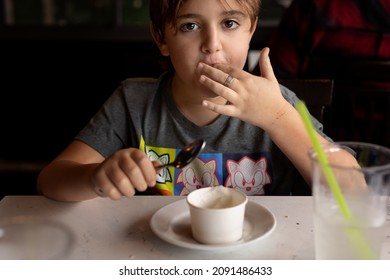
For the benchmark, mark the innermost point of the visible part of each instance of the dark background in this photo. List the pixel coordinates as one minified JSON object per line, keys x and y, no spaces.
{"x":57,"y":72}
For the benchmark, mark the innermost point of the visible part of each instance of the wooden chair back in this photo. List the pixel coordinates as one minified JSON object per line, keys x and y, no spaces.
{"x":316,"y":93}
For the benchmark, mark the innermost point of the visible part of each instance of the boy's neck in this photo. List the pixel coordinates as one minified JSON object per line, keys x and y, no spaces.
{"x":198,"y":114}
{"x":189,"y":102}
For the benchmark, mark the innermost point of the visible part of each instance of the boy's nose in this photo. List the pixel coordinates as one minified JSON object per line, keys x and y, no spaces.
{"x":211,"y":41}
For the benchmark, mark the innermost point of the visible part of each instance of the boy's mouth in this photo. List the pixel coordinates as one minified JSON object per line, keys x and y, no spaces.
{"x":212,"y":62}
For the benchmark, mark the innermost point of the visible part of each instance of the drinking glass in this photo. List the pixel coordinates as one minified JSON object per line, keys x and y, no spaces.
{"x":356,"y":230}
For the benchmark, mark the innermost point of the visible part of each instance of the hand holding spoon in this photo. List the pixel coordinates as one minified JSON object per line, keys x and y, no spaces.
{"x":183,"y":158}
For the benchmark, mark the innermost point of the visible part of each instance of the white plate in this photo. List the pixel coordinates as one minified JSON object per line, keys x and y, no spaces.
{"x":172,"y":224}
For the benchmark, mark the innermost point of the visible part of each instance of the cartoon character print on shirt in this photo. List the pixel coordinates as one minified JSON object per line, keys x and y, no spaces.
{"x":248,"y":175}
{"x":197,"y":175}
{"x":164,"y":175}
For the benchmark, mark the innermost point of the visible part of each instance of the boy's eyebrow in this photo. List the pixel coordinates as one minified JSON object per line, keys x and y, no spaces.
{"x":226,"y":13}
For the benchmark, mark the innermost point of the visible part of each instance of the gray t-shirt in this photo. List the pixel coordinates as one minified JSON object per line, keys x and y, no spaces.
{"x":142,"y":114}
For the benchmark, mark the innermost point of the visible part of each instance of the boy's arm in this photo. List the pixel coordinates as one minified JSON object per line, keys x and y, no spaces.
{"x":79,"y":171}
{"x":258,"y":100}
{"x":67,"y":177}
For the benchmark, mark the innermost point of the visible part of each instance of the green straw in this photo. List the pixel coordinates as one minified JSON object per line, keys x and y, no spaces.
{"x":355,"y":235}
{"x":334,"y":185}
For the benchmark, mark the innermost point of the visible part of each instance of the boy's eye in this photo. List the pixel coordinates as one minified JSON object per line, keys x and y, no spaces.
{"x":189,"y":27}
{"x":231,"y":24}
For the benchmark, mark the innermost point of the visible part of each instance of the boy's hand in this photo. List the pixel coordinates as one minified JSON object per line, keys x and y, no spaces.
{"x":123,"y":173}
{"x":253,"y":99}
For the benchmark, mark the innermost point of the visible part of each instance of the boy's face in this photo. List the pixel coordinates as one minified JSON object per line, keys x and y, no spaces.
{"x":206,"y":31}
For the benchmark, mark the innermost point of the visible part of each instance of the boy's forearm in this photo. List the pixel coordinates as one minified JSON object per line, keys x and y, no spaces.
{"x":66,"y":181}
{"x":290,"y":135}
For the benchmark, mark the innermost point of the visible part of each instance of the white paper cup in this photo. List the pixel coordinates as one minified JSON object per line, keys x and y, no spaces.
{"x":217,"y":214}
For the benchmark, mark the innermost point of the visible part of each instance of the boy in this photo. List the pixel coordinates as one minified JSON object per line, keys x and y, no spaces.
{"x":255,"y":139}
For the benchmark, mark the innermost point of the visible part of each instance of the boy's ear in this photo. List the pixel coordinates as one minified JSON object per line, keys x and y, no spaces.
{"x":160,"y":42}
{"x":254,"y":27}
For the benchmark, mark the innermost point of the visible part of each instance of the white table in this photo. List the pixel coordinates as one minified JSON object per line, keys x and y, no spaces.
{"x":106,"y":229}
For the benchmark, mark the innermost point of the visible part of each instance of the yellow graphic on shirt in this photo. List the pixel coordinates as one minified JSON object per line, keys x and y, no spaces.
{"x":165,"y":179}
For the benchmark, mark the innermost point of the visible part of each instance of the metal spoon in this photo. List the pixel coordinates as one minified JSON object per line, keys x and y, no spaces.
{"x":186,"y":155}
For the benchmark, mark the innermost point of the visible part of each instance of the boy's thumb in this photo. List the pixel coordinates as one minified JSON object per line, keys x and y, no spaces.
{"x":266,"y":69}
